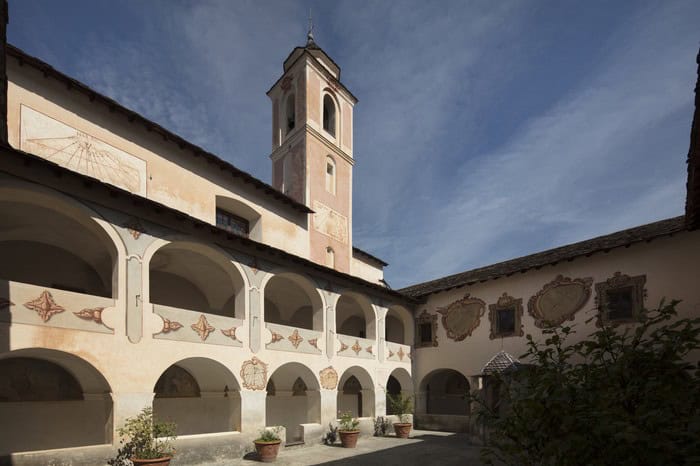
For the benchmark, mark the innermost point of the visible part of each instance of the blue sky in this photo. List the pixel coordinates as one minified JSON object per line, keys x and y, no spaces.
{"x":484,"y":130}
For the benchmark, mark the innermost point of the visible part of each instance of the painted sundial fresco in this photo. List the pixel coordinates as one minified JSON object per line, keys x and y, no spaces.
{"x":74,"y":149}
{"x":559,"y":300}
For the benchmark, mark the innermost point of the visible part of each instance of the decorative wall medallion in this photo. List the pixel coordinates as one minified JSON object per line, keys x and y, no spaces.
{"x":254,"y":374}
{"x":330,"y":223}
{"x":369,"y":349}
{"x":400,"y":354}
{"x":231,"y":333}
{"x":5,"y":304}
{"x":506,"y":307}
{"x":559,"y":300}
{"x":134,"y":226}
{"x":45,"y":306}
{"x":461,"y":317}
{"x":343,"y":347}
{"x":295,"y":338}
{"x":94,"y":314}
{"x":286,"y":83}
{"x":276,"y":337}
{"x":329,"y":378}
{"x":170,"y":326}
{"x":356,"y":347}
{"x":313,"y":342}
{"x":202,"y":327}
{"x":426,"y":330}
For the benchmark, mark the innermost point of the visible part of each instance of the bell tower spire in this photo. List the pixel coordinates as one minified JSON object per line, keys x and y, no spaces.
{"x":312,"y":155}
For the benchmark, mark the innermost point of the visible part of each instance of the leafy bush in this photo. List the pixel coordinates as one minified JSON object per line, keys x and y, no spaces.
{"x":271,"y":434}
{"x":623,"y":396}
{"x":381,"y":426}
{"x":143,"y":438}
{"x":401,"y":405}
{"x":347,"y":422}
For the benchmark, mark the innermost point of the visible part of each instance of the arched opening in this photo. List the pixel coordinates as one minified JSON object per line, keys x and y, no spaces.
{"x":200,"y":395}
{"x":356,"y":392}
{"x":293,"y":399}
{"x":238,"y":218}
{"x":399,"y":381}
{"x":197,"y":278}
{"x":354,"y":316}
{"x":330,"y":257}
{"x":446,"y":392}
{"x":330,"y":175}
{"x":59,"y":246}
{"x":329,"y":115}
{"x":290,"y":114}
{"x":398,"y":326}
{"x":51,"y":399}
{"x":293,"y":301}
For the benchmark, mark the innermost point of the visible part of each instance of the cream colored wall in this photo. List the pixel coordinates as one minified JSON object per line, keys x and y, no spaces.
{"x":670,"y":265}
{"x":366,"y":271}
{"x":174,"y":176}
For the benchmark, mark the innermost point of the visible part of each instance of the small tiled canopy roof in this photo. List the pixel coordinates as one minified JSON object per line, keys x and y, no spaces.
{"x":499,"y":363}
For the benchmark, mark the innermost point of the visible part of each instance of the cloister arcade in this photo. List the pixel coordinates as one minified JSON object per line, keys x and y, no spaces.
{"x":81,"y":281}
{"x":444,"y":392}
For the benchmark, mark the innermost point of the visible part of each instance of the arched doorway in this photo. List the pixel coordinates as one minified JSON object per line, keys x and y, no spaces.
{"x":293,"y":399}
{"x":200,"y":395}
{"x":399,"y":381}
{"x":354,"y":316}
{"x":51,"y":399}
{"x":446,"y":391}
{"x":356,"y":392}
{"x":292,"y":300}
{"x":196,"y":277}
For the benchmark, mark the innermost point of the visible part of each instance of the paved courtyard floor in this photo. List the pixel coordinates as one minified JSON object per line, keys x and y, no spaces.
{"x":423,"y":448}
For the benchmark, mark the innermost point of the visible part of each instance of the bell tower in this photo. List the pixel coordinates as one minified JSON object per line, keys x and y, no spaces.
{"x":312,"y":155}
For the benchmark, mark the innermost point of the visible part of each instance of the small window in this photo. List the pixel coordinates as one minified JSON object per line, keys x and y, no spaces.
{"x":330,"y":175}
{"x":329,"y":115}
{"x":426,"y":330}
{"x":291,"y":114}
{"x":330,"y":257}
{"x":233,"y":223}
{"x":426,"y":333}
{"x":620,"y":299}
{"x":506,"y":317}
{"x":506,"y":320}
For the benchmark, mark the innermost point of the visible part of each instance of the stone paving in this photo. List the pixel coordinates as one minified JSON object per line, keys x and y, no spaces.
{"x":423,"y":448}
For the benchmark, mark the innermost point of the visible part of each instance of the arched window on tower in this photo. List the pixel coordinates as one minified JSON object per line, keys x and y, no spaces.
{"x":330,"y":257}
{"x":330,"y":175}
{"x":290,"y":114}
{"x":329,"y":115}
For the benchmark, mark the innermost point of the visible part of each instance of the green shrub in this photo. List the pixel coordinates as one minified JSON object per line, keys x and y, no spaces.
{"x":623,"y":396}
{"x":401,"y":405}
{"x":347,"y":422}
{"x":271,"y":434}
{"x":143,"y":438}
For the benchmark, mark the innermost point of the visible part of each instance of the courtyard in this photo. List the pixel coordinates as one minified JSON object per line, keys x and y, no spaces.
{"x":424,"y":447}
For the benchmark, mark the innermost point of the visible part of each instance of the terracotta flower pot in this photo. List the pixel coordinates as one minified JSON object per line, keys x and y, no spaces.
{"x":402,"y":429}
{"x":349,"y":438}
{"x":267,"y":451}
{"x":164,"y":461}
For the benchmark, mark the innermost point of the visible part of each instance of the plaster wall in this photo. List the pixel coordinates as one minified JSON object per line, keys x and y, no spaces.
{"x":366,"y":271}
{"x":173,"y":176}
{"x":669,"y":263}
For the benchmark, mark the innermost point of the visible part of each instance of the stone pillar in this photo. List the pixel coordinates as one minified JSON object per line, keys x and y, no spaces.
{"x":381,"y":332}
{"x":329,"y":406}
{"x":134,"y":298}
{"x":255,"y":320}
{"x":370,"y":403}
{"x":127,"y":404}
{"x":330,"y":323}
{"x":252,"y":410}
{"x":379,"y":401}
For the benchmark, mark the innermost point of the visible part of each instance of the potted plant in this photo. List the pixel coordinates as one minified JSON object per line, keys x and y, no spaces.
{"x":268,"y":444}
{"x":145,"y":442}
{"x":402,"y":406}
{"x":348,"y":430}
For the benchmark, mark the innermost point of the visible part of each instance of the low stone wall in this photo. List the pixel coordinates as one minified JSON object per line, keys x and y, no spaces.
{"x":443,"y":422}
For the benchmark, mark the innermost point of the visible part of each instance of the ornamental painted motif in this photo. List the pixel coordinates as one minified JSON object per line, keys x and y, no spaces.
{"x":254,"y":374}
{"x":461,"y":317}
{"x":559,"y":300}
{"x":329,"y":378}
